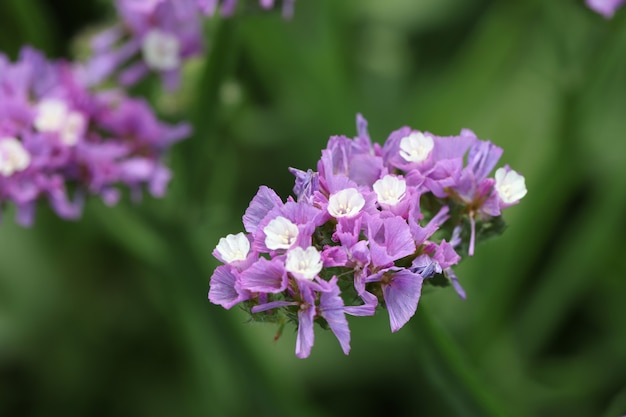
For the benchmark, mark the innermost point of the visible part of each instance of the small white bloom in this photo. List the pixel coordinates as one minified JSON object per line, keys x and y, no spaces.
{"x":510,"y":185}
{"x":51,"y":115}
{"x":345,"y":203}
{"x":416,"y":147}
{"x":161,"y":50}
{"x":54,"y":116}
{"x":233,"y":247}
{"x":13,"y":156}
{"x":304,"y":264}
{"x":73,"y":128}
{"x":280,"y":233}
{"x":390,"y":189}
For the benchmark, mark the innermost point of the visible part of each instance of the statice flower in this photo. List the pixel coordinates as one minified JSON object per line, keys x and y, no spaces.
{"x":366,"y":231}
{"x":227,"y":7}
{"x":152,"y":36}
{"x":57,"y":135}
{"x":607,"y":8}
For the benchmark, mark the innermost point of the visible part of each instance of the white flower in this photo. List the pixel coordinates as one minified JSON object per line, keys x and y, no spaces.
{"x":345,"y":203}
{"x":233,"y":248}
{"x":510,"y":185}
{"x":54,"y":116}
{"x":304,"y":264}
{"x":280,"y":233}
{"x":51,"y":115}
{"x":161,"y":50}
{"x":416,"y":147}
{"x":390,"y":190}
{"x":73,"y":128}
{"x":13,"y":156}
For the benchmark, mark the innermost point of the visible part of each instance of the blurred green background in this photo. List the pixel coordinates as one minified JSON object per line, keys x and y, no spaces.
{"x":108,"y":316}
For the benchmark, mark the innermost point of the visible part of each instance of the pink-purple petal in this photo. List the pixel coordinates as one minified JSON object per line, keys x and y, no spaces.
{"x":263,"y":202}
{"x":265,"y":276}
{"x":332,"y":309}
{"x":402,"y":294}
{"x":306,"y":336}
{"x":223,"y":289}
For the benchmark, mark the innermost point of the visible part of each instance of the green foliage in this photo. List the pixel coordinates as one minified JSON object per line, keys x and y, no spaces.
{"x":108,"y":316}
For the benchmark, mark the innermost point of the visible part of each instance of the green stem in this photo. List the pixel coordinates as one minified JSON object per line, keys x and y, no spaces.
{"x":199,"y":154}
{"x":448,"y":369}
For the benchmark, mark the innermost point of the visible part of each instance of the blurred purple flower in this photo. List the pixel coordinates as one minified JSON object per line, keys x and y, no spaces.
{"x":152,"y":36}
{"x":56,"y":134}
{"x":607,"y":8}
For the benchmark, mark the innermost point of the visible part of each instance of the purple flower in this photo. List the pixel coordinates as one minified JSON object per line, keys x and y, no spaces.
{"x":389,"y":239}
{"x":401,"y":290}
{"x":153,"y":36}
{"x":56,"y":134}
{"x":345,"y":159}
{"x":263,"y":202}
{"x":402,"y":293}
{"x":368,"y":229}
{"x":332,"y":309}
{"x":225,"y":288}
{"x":606,"y":8}
{"x":307,"y":183}
{"x":265,"y":276}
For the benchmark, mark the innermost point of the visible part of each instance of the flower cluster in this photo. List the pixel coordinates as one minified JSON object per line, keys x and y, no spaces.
{"x":57,"y":135}
{"x":156,"y":36}
{"x":367,"y":229}
{"x":606,"y":8}
{"x":152,"y":36}
{"x":59,"y":131}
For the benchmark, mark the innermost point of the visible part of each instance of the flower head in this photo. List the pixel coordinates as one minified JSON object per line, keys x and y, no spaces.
{"x":153,"y":36}
{"x":304,"y":263}
{"x":416,"y":147}
{"x":233,"y":248}
{"x":161,"y":50}
{"x":57,"y":133}
{"x":369,"y":229}
{"x":13,"y":157}
{"x":346,"y":203}
{"x":280,"y":233}
{"x":390,"y":190}
{"x":510,"y":186}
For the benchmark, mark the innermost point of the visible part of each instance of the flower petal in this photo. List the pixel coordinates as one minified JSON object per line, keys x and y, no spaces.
{"x":332,"y":309}
{"x":223,"y":289}
{"x":401,"y":295}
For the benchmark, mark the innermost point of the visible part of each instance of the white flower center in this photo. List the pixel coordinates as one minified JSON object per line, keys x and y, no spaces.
{"x":510,"y":185}
{"x":161,"y":50}
{"x":13,"y":156}
{"x":233,"y":247}
{"x":416,"y":147}
{"x":280,"y":233}
{"x":304,"y":264}
{"x":345,"y":203}
{"x":51,"y":115}
{"x":54,"y":116}
{"x":73,"y":128}
{"x":390,"y":190}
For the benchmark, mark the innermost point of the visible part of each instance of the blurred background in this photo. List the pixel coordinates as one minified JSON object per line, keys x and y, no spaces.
{"x":108,"y":316}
